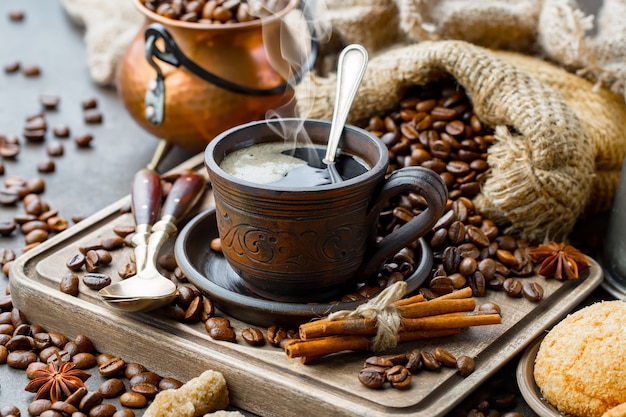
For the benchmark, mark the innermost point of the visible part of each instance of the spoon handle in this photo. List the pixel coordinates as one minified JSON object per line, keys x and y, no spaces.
{"x":184,"y":194}
{"x":350,"y":71}
{"x":146,"y":196}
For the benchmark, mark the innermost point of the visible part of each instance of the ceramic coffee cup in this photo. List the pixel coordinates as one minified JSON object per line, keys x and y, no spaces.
{"x":296,"y":243}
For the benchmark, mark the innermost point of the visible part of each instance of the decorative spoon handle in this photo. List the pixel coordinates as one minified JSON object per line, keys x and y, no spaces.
{"x":184,"y":194}
{"x":146,"y":196}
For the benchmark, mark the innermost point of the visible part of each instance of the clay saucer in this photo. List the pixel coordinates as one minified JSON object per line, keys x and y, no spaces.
{"x":212,"y":275}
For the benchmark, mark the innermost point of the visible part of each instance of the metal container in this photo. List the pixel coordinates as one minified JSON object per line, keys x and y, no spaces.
{"x":614,"y":252}
{"x":186,"y":82}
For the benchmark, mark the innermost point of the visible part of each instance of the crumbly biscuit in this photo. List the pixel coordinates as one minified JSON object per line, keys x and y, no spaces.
{"x":200,"y":395}
{"x":580,"y":364}
{"x":619,"y":411}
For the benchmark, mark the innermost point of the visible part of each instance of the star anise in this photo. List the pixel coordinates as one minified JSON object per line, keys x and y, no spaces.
{"x":57,"y":383}
{"x":560,"y":261}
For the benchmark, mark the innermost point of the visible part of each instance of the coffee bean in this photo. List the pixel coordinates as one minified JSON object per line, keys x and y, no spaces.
{"x":146,"y":377}
{"x":532,"y":291}
{"x":4,"y":353}
{"x":12,"y":67}
{"x":132,"y":399}
{"x":55,"y":149}
{"x":76,"y":262}
{"x":49,"y":101}
{"x":194,"y":311}
{"x":84,"y":360}
{"x":96,"y":281}
{"x":275,"y":335}
{"x":489,"y":307}
{"x":112,"y":243}
{"x":477,"y":283}
{"x":36,"y":236}
{"x":444,"y":357}
{"x":146,"y":389}
{"x":34,"y":225}
{"x":20,"y":359}
{"x":222,"y":333}
{"x":114,"y":366}
{"x":64,"y":407}
{"x":92,"y":116}
{"x":75,"y":397}
{"x":19,"y":342}
{"x":253,"y":336}
{"x":37,"y":407}
{"x":465,"y":365}
{"x":61,"y":131}
{"x":429,"y":361}
{"x":89,"y":401}
{"x":31,"y":71}
{"x":169,"y":383}
{"x":9,"y":410}
{"x":512,"y":287}
{"x":89,"y":103}
{"x":103,"y":358}
{"x":8,"y":197}
{"x":111,"y":388}
{"x":46,"y":166}
{"x":83,"y":140}
{"x":69,"y":284}
{"x":6,"y":255}
{"x":372,"y":377}
{"x":398,"y":376}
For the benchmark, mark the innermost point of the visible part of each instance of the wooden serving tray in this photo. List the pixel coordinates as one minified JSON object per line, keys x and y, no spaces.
{"x":263,"y":380}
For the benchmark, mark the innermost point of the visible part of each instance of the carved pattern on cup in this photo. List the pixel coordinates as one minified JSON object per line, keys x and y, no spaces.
{"x":336,"y":246}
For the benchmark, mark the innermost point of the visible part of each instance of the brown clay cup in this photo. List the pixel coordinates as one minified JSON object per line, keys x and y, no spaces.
{"x":309,"y":244}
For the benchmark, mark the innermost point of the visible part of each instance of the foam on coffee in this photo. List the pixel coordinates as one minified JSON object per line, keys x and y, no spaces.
{"x":262,"y":163}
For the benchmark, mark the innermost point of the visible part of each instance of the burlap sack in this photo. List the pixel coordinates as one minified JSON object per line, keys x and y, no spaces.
{"x":543,"y":160}
{"x":602,"y":115}
{"x":608,"y":63}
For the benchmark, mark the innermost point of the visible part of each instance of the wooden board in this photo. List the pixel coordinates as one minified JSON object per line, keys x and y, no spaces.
{"x":263,"y":380}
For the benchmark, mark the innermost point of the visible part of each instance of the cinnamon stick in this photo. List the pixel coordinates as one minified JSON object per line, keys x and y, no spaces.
{"x":449,"y":321}
{"x":436,"y":306}
{"x":462,"y":293}
{"x":325,"y":345}
{"x":360,"y":326}
{"x":315,"y":348}
{"x":410,"y":300}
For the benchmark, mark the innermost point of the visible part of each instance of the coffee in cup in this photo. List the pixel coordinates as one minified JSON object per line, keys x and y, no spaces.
{"x":307,"y":241}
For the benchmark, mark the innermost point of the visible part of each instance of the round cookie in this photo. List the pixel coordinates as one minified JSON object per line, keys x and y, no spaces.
{"x":580,"y":366}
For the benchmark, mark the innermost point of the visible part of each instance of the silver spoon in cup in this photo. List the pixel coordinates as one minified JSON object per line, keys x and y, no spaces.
{"x":350,"y":70}
{"x":149,"y":289}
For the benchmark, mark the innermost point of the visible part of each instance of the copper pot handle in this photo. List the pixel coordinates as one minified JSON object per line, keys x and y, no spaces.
{"x":155,"y":95}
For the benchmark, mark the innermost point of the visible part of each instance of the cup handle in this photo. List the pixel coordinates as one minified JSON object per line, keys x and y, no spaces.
{"x":420,"y":180}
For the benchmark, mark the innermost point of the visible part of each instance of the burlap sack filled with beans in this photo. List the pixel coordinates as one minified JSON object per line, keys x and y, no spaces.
{"x":559,"y":147}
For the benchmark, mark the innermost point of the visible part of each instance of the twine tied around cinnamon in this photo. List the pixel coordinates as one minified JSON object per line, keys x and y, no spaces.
{"x":382,"y":310}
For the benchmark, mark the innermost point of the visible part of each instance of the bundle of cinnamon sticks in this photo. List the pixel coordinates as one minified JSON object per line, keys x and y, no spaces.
{"x":420,"y":319}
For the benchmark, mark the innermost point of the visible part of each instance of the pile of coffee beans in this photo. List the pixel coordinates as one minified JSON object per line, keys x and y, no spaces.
{"x":30,"y":347}
{"x":397,"y":369}
{"x":435,"y":127}
{"x":215,"y":11}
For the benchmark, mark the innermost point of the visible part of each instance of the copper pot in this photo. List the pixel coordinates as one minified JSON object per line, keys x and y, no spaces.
{"x":187,"y":82}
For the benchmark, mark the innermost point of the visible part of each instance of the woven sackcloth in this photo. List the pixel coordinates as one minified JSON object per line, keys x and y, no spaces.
{"x":542,"y":161}
{"x":603,"y":116}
